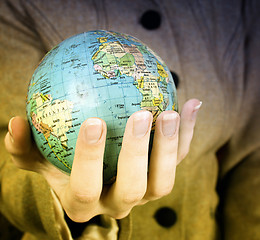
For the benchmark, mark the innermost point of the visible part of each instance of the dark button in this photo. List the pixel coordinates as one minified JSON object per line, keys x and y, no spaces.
{"x":166,"y":217}
{"x":175,"y":79}
{"x":151,"y":20}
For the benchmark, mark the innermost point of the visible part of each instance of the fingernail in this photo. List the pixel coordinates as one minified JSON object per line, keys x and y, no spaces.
{"x":195,"y":111}
{"x":10,"y":130}
{"x":142,"y":122}
{"x":169,"y":124}
{"x":93,"y":130}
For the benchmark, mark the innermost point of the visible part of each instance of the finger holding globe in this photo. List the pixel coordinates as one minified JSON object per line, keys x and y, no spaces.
{"x":93,"y":103}
{"x":80,"y":194}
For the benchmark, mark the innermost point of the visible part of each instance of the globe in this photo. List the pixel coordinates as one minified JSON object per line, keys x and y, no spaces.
{"x":101,"y":74}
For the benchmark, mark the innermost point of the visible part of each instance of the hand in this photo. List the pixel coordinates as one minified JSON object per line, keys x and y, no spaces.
{"x":82,"y":194}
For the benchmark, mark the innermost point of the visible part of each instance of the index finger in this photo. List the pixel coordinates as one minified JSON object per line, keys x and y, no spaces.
{"x":86,"y":180}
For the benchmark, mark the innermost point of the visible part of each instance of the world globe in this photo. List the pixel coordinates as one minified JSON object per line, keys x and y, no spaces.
{"x":101,"y":74}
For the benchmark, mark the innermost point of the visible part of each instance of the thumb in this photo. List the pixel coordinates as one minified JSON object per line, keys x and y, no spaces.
{"x":18,"y":143}
{"x":18,"y":138}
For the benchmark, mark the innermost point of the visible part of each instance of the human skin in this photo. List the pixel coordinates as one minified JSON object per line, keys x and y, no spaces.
{"x":83,"y":194}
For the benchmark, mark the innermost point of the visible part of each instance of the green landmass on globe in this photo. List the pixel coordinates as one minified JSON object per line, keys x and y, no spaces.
{"x":94,"y":74}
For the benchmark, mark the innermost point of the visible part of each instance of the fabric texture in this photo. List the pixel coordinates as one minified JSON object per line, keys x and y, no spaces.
{"x":213,"y":46}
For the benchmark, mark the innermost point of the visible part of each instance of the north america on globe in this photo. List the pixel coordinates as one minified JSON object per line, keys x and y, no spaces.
{"x":95,"y":74}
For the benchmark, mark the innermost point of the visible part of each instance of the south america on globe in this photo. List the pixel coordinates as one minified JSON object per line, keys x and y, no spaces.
{"x":95,"y":74}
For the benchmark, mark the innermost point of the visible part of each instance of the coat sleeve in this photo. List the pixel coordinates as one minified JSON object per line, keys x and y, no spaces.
{"x":240,"y":157}
{"x":26,"y":199}
{"x":240,"y":204}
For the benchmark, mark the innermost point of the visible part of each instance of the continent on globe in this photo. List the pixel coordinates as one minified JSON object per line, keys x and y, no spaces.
{"x":53,"y":119}
{"x":114,"y":59}
{"x":95,"y":74}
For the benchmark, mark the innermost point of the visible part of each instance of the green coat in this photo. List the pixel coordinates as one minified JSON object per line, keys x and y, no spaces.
{"x":213,"y":47}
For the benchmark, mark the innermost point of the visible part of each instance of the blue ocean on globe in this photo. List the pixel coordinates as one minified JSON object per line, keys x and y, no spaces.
{"x":94,"y":74}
